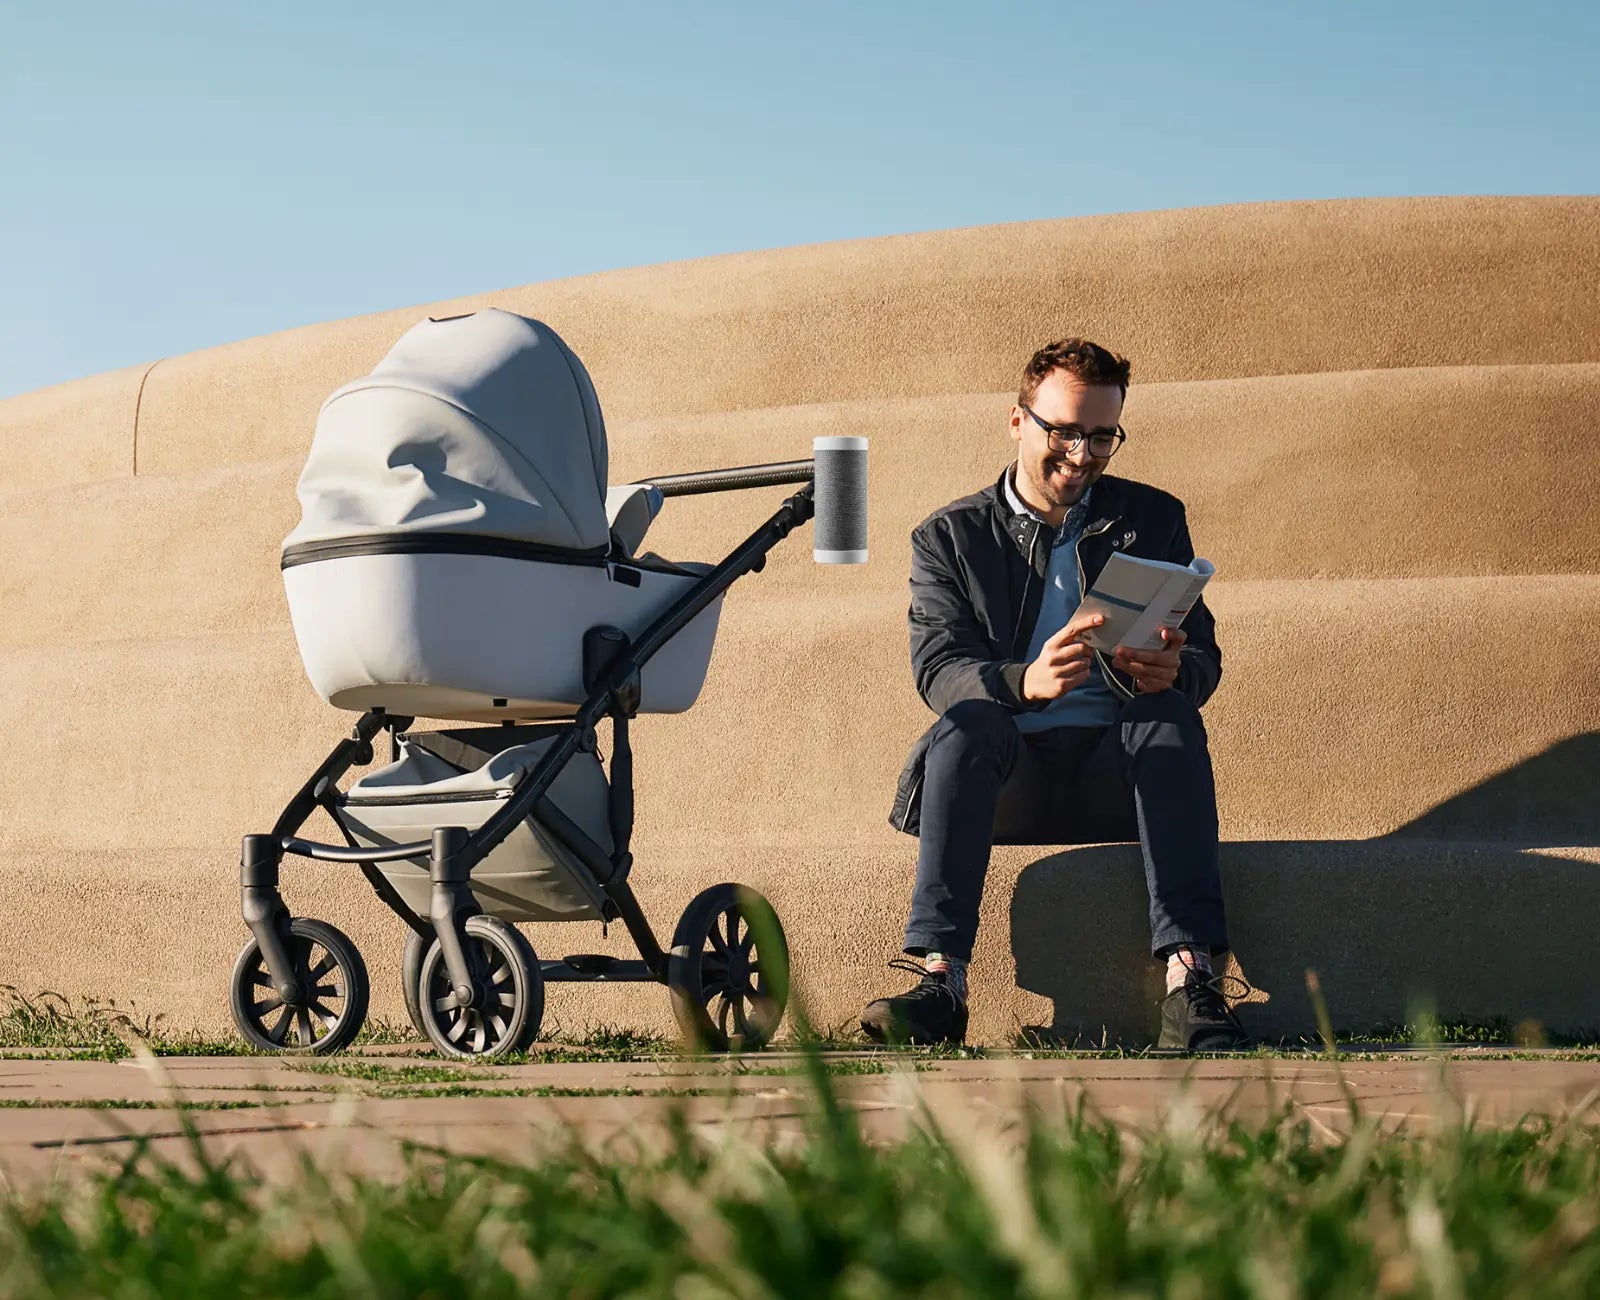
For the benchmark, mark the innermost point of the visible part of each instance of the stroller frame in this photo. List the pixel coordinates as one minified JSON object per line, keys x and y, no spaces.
{"x":611,"y":677}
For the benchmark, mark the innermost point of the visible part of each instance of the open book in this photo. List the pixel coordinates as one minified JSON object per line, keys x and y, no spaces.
{"x":1139,"y":597}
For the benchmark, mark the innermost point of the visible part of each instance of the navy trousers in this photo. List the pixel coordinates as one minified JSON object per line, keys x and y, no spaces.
{"x":1146,"y":778}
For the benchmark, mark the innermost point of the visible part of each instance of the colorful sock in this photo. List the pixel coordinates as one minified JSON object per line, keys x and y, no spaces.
{"x":954,"y":968}
{"x":1184,"y":960}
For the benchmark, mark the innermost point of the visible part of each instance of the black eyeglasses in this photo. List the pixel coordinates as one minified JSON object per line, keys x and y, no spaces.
{"x":1066,"y":438}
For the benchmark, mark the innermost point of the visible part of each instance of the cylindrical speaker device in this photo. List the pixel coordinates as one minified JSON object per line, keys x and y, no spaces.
{"x":840,"y":496}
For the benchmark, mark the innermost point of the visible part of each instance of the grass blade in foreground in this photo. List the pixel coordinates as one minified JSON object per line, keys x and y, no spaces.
{"x":1070,"y":1207}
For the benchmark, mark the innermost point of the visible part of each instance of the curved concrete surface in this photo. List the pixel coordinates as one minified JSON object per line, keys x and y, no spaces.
{"x":1380,"y":414}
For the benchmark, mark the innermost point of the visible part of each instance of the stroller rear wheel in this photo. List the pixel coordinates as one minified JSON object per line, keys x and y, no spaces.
{"x":332,"y":1002}
{"x":509,"y":1004}
{"x":729,"y":970}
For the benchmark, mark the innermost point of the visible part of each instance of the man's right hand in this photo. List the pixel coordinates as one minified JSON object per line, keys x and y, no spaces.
{"x":1063,"y":661}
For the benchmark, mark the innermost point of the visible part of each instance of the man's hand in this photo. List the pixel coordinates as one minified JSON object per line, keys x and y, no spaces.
{"x":1063,"y":662}
{"x":1153,"y":670}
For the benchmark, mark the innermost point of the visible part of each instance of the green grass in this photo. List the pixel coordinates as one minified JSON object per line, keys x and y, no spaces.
{"x":116,"y":1103}
{"x":378,"y":1072}
{"x":1066,"y":1205}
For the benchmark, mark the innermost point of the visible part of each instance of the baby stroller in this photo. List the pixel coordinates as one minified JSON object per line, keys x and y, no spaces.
{"x":461,"y":558}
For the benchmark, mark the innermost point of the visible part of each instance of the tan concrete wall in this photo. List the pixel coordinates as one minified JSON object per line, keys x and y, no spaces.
{"x":1406,"y":590}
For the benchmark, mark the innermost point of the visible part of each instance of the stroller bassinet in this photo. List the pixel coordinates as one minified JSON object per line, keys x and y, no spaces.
{"x":457,"y":535}
{"x":460,"y":556}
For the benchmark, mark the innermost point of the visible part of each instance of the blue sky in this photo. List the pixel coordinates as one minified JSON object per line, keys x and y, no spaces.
{"x":176,"y":174}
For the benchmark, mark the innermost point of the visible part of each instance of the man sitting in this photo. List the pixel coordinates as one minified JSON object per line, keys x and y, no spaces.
{"x":1040,"y":739}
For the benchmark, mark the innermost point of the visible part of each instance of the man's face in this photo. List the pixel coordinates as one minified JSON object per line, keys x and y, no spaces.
{"x":1060,"y":479}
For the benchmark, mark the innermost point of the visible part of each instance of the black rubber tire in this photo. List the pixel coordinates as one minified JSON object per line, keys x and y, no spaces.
{"x":722,"y":1005}
{"x":511,"y":964}
{"x":411,"y":977}
{"x":341,"y":978}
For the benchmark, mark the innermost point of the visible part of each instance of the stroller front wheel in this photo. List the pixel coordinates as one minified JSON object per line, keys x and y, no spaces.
{"x":729,"y":970}
{"x":411,"y":978}
{"x":508,"y":1008}
{"x":332,"y":1004}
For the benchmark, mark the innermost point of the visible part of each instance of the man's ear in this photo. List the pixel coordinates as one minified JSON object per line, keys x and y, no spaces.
{"x":1017,"y":417}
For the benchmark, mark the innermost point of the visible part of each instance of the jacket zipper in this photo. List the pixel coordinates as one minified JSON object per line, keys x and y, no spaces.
{"x":1105,"y":666}
{"x":911,"y":798}
{"x":1027,"y":583}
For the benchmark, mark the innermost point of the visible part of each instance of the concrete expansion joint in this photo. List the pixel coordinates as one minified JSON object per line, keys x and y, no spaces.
{"x":138,"y":405}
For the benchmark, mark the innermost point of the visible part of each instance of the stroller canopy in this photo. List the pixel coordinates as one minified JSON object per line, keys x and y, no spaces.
{"x":484,"y":425}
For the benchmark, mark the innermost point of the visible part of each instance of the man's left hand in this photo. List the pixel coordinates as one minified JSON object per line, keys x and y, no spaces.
{"x":1152,"y":670}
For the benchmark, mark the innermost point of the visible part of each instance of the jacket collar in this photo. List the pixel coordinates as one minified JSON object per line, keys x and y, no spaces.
{"x":1023,"y":529}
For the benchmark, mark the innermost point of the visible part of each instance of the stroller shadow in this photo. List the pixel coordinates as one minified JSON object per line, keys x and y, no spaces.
{"x":1463,"y":910}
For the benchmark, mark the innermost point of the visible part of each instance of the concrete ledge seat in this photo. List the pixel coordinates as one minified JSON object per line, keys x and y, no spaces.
{"x":1480,"y":931}
{"x":1474,"y":931}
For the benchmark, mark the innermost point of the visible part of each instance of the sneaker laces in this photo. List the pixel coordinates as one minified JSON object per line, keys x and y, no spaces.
{"x":929,"y":980}
{"x":1210,"y":996}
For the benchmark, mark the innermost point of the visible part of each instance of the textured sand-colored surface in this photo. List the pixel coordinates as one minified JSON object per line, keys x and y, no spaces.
{"x":272,"y":1115}
{"x":1381,"y":416}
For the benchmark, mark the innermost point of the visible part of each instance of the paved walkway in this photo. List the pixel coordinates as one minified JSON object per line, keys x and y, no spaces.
{"x":357,"y":1110}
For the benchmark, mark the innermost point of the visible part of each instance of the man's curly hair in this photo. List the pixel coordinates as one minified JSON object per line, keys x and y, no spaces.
{"x":1087,"y":362}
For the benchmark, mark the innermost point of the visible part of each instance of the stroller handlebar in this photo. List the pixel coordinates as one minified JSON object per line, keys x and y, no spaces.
{"x":729,"y":480}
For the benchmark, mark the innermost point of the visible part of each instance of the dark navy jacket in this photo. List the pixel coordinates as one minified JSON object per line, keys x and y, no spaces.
{"x":977,"y":581}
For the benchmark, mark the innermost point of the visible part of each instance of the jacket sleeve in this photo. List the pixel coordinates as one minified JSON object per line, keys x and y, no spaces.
{"x":1200,"y":660}
{"x":952,"y":657}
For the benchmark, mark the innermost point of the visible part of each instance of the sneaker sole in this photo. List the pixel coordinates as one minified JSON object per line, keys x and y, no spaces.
{"x":880,"y":1035}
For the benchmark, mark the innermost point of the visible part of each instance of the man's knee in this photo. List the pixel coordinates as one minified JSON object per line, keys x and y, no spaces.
{"x":976,"y":722}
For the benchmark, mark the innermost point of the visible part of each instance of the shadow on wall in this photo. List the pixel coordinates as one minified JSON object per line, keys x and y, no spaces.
{"x":1465,"y":909}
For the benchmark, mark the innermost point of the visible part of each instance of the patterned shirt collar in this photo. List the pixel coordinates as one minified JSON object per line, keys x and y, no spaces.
{"x":1077,"y":516}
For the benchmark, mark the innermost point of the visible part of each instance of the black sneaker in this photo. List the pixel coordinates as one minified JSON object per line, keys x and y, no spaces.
{"x":1195,"y":1018}
{"x":932,"y":1012}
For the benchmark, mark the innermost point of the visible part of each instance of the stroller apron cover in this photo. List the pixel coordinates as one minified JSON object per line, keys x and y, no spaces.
{"x":458,"y":536}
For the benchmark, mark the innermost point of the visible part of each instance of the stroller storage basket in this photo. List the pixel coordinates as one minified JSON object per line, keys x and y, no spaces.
{"x":460,"y":778}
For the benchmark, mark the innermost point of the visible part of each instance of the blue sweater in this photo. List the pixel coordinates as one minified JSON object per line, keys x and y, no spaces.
{"x":1092,"y":704}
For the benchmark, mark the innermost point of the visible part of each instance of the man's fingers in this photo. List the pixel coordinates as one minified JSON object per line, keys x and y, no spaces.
{"x":1076,"y":627}
{"x":1175,"y":637}
{"x":1071,"y":653}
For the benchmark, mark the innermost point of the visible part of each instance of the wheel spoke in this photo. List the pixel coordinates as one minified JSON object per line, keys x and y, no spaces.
{"x":326,"y":991}
{"x":446,"y":1003}
{"x":500,"y":1027}
{"x":718,"y":943}
{"x":267,"y":1004}
{"x":277,"y":1033}
{"x":324,"y":966}
{"x":479,"y":1038}
{"x":327,"y":1017}
{"x":508,"y":999}
{"x":500,"y":974}
{"x":262,"y":980}
{"x":458,"y":1028}
{"x":740,"y":1019}
{"x":304,"y":1034}
{"x":723,"y":1015}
